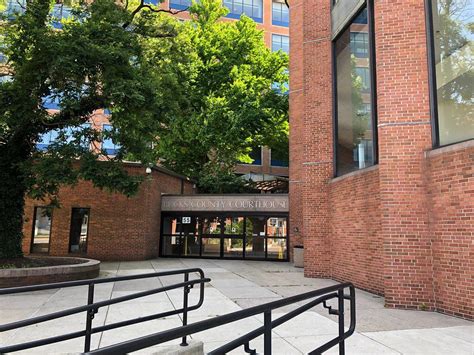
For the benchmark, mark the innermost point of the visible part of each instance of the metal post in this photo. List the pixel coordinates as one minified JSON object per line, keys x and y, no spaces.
{"x":340,"y":299}
{"x":185,"y":307}
{"x":89,"y":317}
{"x":267,"y":335}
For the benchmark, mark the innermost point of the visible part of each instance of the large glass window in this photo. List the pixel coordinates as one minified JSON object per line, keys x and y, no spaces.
{"x":280,"y":42}
{"x":251,"y":8}
{"x":280,"y":14}
{"x":453,"y":35}
{"x":354,"y":129}
{"x":41,"y":230}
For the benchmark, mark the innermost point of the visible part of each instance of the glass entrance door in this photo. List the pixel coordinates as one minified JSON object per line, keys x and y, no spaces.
{"x":225,"y":236}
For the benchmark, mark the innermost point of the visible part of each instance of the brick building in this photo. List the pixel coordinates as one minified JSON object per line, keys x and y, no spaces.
{"x":382,"y":148}
{"x":103,"y":225}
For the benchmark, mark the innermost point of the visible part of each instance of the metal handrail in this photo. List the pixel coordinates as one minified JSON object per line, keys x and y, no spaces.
{"x":92,"y":308}
{"x":321,"y":296}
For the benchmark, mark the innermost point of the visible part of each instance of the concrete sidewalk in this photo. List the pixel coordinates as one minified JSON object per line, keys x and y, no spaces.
{"x":235,"y":285}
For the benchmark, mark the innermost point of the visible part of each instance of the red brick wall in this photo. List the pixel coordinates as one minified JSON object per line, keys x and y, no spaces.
{"x":354,"y":244}
{"x":317,"y":165}
{"x":404,"y":134}
{"x":405,"y":227}
{"x":296,"y":125}
{"x":451,"y":201}
{"x":120,"y":227}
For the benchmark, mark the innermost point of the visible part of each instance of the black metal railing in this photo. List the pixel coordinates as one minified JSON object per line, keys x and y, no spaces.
{"x":316,"y":297}
{"x":93,"y":307}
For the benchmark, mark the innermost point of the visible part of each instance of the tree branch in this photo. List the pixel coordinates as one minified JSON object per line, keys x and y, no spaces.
{"x":149,"y":7}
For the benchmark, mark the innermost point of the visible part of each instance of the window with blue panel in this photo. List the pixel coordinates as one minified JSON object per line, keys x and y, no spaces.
{"x":280,"y":14}
{"x":152,"y":2}
{"x":52,"y":102}
{"x":69,"y":134}
{"x":108,"y":145}
{"x":256,"y":155}
{"x":251,"y":8}
{"x":60,"y":11}
{"x":180,"y":4}
{"x":278,"y":158}
{"x":280,"y":42}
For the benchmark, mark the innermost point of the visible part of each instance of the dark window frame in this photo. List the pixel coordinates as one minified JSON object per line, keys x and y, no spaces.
{"x":373,"y":82}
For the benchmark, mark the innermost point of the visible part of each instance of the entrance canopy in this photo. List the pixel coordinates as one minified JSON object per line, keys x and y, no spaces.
{"x":225,"y":226}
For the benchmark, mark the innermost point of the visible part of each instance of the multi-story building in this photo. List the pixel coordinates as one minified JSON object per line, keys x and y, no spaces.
{"x":382,"y":148}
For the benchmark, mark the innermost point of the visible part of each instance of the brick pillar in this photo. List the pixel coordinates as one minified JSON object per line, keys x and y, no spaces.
{"x":317,"y":164}
{"x":404,"y":134}
{"x":296,"y":124}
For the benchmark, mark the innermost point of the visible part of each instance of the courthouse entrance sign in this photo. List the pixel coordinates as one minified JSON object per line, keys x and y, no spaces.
{"x":225,"y":226}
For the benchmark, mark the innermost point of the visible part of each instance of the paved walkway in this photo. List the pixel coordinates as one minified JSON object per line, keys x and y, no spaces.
{"x":236,"y":285}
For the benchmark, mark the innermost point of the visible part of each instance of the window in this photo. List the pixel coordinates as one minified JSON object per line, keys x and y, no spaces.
{"x":453,"y":70}
{"x":256,"y":155}
{"x":70,"y":134}
{"x":360,"y":44}
{"x":355,"y":147}
{"x":41,"y":230}
{"x":108,"y":144}
{"x":280,"y":42}
{"x":79,"y":230}
{"x":251,"y":8}
{"x":152,"y":2}
{"x":180,"y":4}
{"x":60,"y":11}
{"x":280,"y":14}
{"x":279,"y":158}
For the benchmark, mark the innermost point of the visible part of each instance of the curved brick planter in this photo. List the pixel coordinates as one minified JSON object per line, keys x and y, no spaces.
{"x":87,"y":269}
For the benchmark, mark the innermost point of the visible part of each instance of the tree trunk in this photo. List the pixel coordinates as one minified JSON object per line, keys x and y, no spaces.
{"x":12,"y":202}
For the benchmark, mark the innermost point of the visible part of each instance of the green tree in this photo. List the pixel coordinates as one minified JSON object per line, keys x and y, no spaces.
{"x":233,"y":104}
{"x":97,"y":60}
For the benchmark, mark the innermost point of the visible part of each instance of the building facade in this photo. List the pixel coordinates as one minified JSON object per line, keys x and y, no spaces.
{"x":98,"y":224}
{"x":382,"y":148}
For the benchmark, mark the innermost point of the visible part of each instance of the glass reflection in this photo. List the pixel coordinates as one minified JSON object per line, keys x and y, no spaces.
{"x":454,"y":62}
{"x":255,"y":233}
{"x":276,"y":248}
{"x":354,"y":117}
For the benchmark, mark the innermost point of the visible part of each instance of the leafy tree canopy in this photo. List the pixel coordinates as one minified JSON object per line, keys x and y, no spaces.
{"x":236,"y":99}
